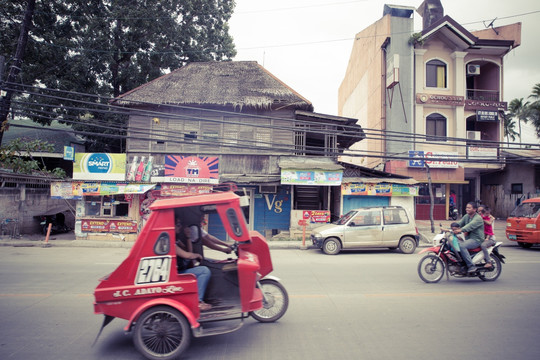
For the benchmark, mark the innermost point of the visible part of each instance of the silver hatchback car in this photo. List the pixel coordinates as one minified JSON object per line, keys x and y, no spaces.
{"x":387,"y":226}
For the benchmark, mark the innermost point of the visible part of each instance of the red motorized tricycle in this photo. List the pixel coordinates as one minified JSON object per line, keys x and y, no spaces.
{"x":162,"y":305}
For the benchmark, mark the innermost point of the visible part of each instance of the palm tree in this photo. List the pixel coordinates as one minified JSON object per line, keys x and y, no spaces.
{"x":535,"y":108}
{"x":520,"y":111}
{"x":510,"y":128}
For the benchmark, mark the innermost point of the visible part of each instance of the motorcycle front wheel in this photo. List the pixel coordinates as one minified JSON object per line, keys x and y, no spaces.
{"x":493,"y":273}
{"x":431,"y":269}
{"x":275,"y":304}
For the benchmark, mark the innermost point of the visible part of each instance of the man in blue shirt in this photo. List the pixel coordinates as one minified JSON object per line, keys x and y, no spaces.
{"x":473,"y":226}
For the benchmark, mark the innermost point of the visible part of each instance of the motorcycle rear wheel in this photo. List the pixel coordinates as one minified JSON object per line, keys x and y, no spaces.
{"x":494,"y":272}
{"x":431,"y":269}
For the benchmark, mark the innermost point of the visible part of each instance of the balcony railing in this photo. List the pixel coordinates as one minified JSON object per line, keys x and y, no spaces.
{"x":485,"y":95}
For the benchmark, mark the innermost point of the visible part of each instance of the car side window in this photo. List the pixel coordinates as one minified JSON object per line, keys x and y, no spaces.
{"x":395,"y":216}
{"x":366,"y":218}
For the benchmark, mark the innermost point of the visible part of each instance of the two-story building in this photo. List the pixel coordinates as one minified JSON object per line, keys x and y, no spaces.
{"x":217,"y":122}
{"x":432,"y":100}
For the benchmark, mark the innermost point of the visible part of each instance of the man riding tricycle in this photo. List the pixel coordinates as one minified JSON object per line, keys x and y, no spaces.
{"x":158,"y":288}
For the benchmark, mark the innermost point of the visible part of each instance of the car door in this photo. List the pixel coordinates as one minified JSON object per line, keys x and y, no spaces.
{"x":363,"y":230}
{"x":396,"y":224}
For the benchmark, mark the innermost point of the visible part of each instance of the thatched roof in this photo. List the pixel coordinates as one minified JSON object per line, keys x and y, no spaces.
{"x":233,"y":83}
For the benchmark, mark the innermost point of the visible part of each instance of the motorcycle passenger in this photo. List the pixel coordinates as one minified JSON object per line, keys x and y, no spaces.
{"x":489,"y":235}
{"x":473,"y":226}
{"x":454,"y":239}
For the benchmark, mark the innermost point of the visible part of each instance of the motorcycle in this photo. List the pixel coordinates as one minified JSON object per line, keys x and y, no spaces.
{"x":58,"y":224}
{"x":442,"y":258}
{"x":161,"y":304}
{"x":453,"y":212}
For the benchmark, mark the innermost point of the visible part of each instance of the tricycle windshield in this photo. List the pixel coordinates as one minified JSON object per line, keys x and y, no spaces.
{"x":528,"y":210}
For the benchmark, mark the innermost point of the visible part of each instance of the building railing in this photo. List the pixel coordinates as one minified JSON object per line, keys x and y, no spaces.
{"x":485,"y":95}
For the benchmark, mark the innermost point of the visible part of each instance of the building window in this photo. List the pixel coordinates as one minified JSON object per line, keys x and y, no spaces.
{"x":517,"y":189}
{"x":436,"y":128}
{"x":436,"y":74}
{"x":113,"y":205}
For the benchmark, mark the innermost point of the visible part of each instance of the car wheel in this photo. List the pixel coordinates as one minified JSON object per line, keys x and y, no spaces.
{"x":331,"y":246}
{"x":407,"y":245}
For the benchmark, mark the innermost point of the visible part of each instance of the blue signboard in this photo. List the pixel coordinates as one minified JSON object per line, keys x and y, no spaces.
{"x":416,"y":158}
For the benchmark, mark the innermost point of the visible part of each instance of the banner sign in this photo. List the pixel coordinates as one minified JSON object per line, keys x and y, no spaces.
{"x":311,"y":177}
{"x":99,"y":166}
{"x":380,"y":189}
{"x":189,"y":169}
{"x":183,"y":190}
{"x":106,"y":226}
{"x":444,"y":159}
{"x":69,"y":153}
{"x":63,"y":190}
{"x":316,"y":216}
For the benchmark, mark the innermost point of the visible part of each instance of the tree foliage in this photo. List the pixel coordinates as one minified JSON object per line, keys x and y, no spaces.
{"x":18,"y":157}
{"x":520,"y":110}
{"x":108,"y":47}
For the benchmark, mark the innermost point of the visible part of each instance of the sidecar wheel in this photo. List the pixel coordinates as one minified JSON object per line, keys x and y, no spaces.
{"x":277,"y":302}
{"x":494,"y":272}
{"x":161,"y":333}
{"x":431,"y":269}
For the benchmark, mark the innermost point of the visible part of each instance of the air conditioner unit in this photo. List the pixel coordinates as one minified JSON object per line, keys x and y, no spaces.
{"x":473,"y":69}
{"x":474,"y":135}
{"x":267,"y":189}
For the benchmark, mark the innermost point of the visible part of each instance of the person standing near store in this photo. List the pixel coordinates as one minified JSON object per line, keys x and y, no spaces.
{"x":472,"y":225}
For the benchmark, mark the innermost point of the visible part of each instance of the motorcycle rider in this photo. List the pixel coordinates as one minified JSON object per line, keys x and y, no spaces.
{"x":472,"y":225}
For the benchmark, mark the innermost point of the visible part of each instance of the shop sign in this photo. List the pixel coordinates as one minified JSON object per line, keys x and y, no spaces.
{"x":380,"y":189}
{"x":485,"y":105}
{"x":106,"y":226}
{"x":487,"y":115}
{"x":316,"y":216}
{"x":99,"y":166}
{"x":481,"y":153}
{"x":188,"y":169}
{"x":440,"y":99}
{"x":80,"y":188}
{"x":311,"y":177}
{"x":440,"y":159}
{"x":69,"y":153}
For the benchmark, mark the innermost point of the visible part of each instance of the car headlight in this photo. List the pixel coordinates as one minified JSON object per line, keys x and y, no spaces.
{"x":317,"y":236}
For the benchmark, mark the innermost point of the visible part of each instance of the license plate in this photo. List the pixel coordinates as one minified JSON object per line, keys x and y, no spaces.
{"x":512,"y":237}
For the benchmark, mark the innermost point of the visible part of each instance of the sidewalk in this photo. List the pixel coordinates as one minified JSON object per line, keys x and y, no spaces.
{"x":424,"y":228}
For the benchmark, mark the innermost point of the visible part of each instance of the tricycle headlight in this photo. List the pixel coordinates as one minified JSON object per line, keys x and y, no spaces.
{"x":530,"y":226}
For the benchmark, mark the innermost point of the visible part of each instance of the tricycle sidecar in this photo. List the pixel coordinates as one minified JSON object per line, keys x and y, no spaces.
{"x":162,"y":305}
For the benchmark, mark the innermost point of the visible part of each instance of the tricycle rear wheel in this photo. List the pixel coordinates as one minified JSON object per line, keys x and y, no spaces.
{"x":276,"y":304}
{"x":162,"y":333}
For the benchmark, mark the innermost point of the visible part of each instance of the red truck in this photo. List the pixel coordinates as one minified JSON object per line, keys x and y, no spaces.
{"x":523,"y":224}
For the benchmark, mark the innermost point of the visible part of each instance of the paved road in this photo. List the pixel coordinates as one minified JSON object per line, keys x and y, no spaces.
{"x":356,"y":305}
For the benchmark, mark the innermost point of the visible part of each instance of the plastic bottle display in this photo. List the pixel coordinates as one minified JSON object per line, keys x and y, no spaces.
{"x":132,"y":169}
{"x":148,"y":169}
{"x":140,"y":170}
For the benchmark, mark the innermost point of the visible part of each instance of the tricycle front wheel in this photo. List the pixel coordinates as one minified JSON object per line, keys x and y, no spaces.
{"x":162,"y":333}
{"x":275,"y":303}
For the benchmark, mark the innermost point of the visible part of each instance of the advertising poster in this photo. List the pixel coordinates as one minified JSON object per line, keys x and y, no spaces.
{"x":311,"y":177}
{"x":63,"y":190}
{"x":381,"y":189}
{"x":113,"y":226}
{"x":317,"y":216}
{"x":99,"y":166}
{"x":189,"y":169}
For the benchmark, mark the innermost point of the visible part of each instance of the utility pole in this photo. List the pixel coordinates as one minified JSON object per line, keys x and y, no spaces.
{"x":5,"y":101}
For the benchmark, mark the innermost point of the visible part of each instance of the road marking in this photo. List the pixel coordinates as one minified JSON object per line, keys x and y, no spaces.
{"x":459,"y":293}
{"x":25,"y":295}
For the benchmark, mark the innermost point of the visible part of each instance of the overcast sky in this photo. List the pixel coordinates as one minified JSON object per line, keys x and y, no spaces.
{"x":307,"y":43}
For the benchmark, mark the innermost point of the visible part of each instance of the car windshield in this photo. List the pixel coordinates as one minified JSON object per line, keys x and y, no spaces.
{"x":529,"y":210}
{"x":345,"y":218}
